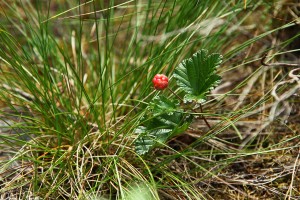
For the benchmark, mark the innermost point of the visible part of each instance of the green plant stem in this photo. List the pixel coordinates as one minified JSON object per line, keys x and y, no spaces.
{"x":203,"y":117}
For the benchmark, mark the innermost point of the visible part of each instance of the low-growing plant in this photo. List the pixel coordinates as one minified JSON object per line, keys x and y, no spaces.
{"x":165,"y":118}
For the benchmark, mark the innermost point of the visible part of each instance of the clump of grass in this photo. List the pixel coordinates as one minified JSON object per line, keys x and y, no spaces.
{"x":76,"y":79}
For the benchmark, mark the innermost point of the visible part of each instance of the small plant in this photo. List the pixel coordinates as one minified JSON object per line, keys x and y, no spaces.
{"x":164,"y":118}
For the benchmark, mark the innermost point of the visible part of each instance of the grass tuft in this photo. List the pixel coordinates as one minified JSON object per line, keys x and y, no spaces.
{"x":75,"y":79}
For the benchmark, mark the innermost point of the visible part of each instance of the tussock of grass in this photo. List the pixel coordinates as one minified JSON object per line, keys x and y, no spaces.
{"x":75,"y":79}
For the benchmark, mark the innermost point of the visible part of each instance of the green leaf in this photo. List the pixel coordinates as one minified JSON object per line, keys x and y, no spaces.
{"x":165,"y":121}
{"x":196,"y":76}
{"x":161,"y":104}
{"x":159,"y":130}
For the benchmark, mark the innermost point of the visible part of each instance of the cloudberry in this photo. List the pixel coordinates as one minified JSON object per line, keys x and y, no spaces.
{"x":160,"y":81}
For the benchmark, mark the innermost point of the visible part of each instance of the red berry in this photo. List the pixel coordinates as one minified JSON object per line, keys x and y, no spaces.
{"x":160,"y":81}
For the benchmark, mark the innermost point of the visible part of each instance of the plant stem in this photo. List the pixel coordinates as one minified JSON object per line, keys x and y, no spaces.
{"x":175,"y":94}
{"x":203,"y":117}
